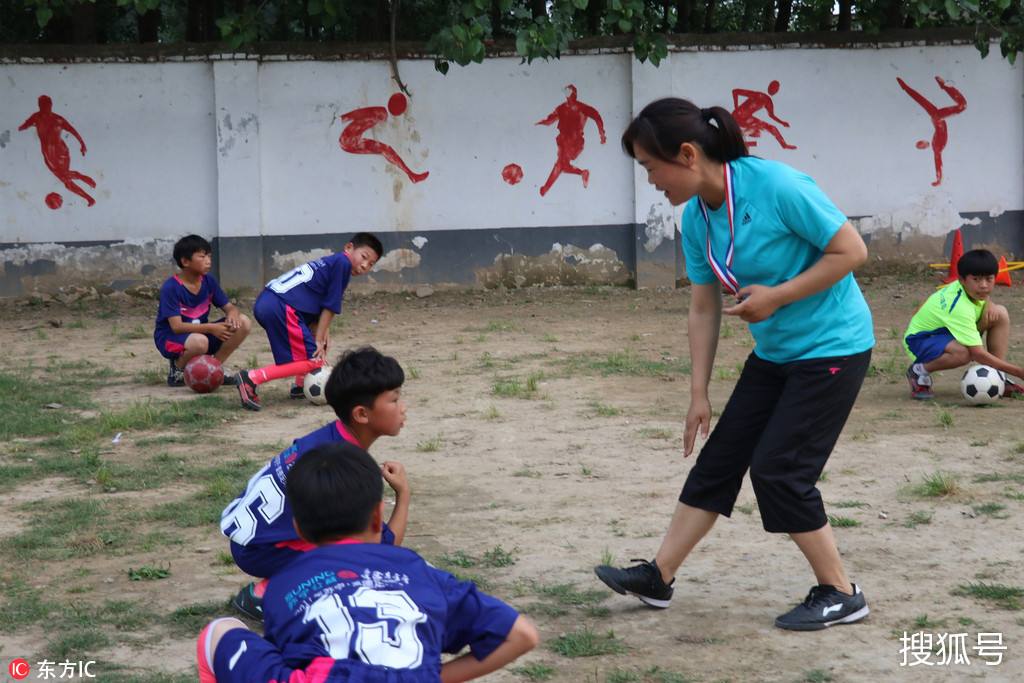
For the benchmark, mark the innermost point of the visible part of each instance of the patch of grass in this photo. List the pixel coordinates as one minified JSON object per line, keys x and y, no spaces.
{"x":499,"y":557}
{"x":68,"y":528}
{"x":923,"y":623}
{"x":568,"y":595}
{"x":842,"y":522}
{"x":823,"y":478}
{"x":534,"y":671}
{"x":607,"y":557}
{"x":412,"y":372}
{"x":816,"y":676}
{"x":492,"y":414}
{"x":917,"y":518}
{"x":979,"y":444}
{"x":585,"y":470}
{"x":937,"y":485}
{"x":516,"y":387}
{"x":585,"y":643}
{"x":655,"y":433}
{"x":745,"y":508}
{"x":995,"y":476}
{"x":549,"y":338}
{"x":604,"y":410}
{"x":189,"y":620}
{"x":945,"y":418}
{"x":850,"y":504}
{"x":76,"y":644}
{"x":499,"y":326}
{"x":137,"y":332}
{"x":622,"y":676}
{"x":527,"y":472}
{"x":147,"y":573}
{"x":150,"y":377}
{"x":627,"y":363}
{"x":1006,"y":597}
{"x":458,"y":559}
{"x":658,"y":675}
{"x":430,"y":445}
{"x":22,"y":606}
{"x":990,"y":509}
{"x":22,"y":401}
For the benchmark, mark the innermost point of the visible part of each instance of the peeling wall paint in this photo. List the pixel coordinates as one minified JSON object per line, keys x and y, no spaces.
{"x":396,"y":260}
{"x":284,"y":262}
{"x":931,"y":214}
{"x":658,"y":228}
{"x":563,"y":265}
{"x":47,"y":266}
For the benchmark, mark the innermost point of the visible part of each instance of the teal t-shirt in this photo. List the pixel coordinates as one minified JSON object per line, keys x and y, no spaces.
{"x":783,"y":223}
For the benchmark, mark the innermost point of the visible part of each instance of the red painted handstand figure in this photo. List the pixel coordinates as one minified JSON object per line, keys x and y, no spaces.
{"x":571,"y":116}
{"x":754,"y":102}
{"x":56,"y":155}
{"x":362,"y":120}
{"x":938,"y":116}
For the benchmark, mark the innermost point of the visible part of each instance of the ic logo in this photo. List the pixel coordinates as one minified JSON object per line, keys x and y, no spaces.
{"x":19,"y":669}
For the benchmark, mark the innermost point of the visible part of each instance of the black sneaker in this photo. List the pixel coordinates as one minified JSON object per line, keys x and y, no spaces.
{"x":642,"y":580}
{"x":175,"y":375}
{"x":247,"y":390}
{"x":230,"y":379}
{"x":296,"y":392}
{"x":825,"y":606}
{"x":247,"y":603}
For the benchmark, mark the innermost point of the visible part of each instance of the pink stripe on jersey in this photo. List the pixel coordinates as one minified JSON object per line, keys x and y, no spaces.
{"x":295,"y":339}
{"x":345,"y":434}
{"x":197,"y":311}
{"x":296,"y":544}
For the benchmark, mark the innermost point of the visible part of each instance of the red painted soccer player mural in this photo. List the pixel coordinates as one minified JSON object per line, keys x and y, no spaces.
{"x":361,"y":120}
{"x":745,"y":114}
{"x":571,"y":117}
{"x":56,"y":155}
{"x":938,"y":117}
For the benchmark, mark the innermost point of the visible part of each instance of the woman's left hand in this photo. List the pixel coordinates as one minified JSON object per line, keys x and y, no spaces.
{"x":757,"y":303}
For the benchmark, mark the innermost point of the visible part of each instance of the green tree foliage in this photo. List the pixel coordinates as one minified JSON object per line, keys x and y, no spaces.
{"x":461,"y":31}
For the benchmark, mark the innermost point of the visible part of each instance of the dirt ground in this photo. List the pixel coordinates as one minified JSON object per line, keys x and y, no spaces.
{"x":585,"y":463}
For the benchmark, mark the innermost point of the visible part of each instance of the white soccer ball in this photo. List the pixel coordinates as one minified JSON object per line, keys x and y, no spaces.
{"x":315,"y":385}
{"x":982,"y":384}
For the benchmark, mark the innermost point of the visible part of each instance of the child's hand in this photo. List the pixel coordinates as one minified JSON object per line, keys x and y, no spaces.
{"x":222,"y":331}
{"x":321,"y":346}
{"x":394,"y":475}
{"x":234,"y":320}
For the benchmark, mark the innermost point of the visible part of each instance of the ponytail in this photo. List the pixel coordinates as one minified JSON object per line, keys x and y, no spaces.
{"x":665,"y":124}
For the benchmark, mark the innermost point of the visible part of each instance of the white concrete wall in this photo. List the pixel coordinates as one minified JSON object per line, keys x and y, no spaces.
{"x":150,"y":139}
{"x":251,"y":148}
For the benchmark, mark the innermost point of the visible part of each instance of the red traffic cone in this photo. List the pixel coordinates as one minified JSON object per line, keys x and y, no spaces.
{"x":1003,"y":277}
{"x":958,"y":251}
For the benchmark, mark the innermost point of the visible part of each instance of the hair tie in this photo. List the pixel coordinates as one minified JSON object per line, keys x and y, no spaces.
{"x":705,"y":114}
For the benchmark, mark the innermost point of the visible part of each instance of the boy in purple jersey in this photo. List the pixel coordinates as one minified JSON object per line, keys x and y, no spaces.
{"x":365,"y":391}
{"x":183,"y":330}
{"x":296,"y":310}
{"x":355,"y":610}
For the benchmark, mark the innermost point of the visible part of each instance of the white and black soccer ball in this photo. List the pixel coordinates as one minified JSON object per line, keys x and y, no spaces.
{"x":982,"y":384}
{"x":315,"y":385}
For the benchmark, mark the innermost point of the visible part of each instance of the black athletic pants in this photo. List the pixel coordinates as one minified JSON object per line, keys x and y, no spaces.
{"x":781,"y":422}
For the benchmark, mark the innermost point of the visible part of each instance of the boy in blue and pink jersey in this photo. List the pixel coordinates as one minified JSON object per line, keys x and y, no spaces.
{"x":365,"y":391}
{"x":183,"y":328}
{"x":296,"y":310}
{"x":354,"y":609}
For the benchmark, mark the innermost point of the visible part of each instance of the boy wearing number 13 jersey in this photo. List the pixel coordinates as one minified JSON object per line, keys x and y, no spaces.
{"x":364,"y":389}
{"x":296,"y":310}
{"x":355,"y":610}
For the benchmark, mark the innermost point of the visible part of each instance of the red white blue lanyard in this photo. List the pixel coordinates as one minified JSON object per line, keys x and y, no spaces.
{"x":723,"y":270}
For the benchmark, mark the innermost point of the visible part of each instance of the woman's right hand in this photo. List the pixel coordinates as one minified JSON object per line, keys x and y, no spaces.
{"x":698,"y":419}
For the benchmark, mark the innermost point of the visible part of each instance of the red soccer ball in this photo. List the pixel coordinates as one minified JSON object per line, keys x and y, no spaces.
{"x":203,"y":374}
